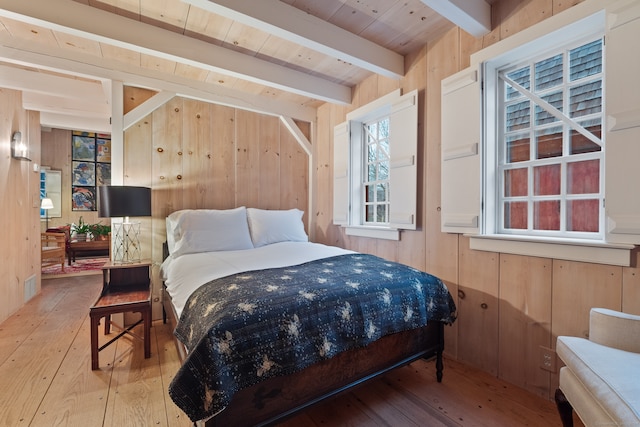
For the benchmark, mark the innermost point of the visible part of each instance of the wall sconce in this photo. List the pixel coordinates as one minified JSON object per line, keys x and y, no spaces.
{"x":19,"y":149}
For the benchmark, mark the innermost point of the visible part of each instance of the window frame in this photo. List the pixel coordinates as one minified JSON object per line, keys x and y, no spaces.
{"x":364,"y":155}
{"x":349,"y":167}
{"x":464,"y":208}
{"x":495,"y":105}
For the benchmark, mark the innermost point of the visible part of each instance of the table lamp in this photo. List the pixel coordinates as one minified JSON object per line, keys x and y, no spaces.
{"x":124,"y":201}
{"x":46,"y":204}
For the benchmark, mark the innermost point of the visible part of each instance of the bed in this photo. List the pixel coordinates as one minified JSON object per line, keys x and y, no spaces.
{"x":268,"y":323}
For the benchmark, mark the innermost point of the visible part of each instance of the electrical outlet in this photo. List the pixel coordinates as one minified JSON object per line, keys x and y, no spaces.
{"x":547,"y":359}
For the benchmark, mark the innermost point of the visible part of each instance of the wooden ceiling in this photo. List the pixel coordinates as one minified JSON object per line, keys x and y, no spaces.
{"x":278,"y":56}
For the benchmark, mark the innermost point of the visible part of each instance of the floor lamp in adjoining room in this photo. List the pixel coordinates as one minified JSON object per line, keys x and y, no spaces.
{"x":124,"y":201}
{"x":46,"y":204}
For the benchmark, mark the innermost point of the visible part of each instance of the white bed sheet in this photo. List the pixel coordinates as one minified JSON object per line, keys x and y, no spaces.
{"x":185,"y":274}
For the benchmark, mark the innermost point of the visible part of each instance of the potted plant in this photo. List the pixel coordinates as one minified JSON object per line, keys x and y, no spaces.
{"x":79,"y":231}
{"x":99,"y":231}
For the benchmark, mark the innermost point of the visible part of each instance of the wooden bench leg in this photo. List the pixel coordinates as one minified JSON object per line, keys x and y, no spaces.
{"x":146,"y":324}
{"x":95,"y":323}
{"x":564,"y":409}
{"x":96,"y":313}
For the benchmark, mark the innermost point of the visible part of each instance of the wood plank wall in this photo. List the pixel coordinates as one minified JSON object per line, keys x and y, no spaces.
{"x":197,"y":155}
{"x":509,"y":306}
{"x":20,"y":201}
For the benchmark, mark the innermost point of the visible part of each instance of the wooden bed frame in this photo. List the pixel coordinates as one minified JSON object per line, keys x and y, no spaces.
{"x":277,"y":398}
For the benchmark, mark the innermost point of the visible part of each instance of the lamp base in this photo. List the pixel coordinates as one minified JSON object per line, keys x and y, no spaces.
{"x":126,"y":245}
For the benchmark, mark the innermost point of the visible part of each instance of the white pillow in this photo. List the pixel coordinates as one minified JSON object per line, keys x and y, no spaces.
{"x":172,"y":223}
{"x":208,"y":230}
{"x":273,"y":226}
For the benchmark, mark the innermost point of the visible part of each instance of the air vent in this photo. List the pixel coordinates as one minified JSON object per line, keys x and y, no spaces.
{"x":29,"y":288}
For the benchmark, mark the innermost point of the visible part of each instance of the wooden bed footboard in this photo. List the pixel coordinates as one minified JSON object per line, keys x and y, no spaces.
{"x":277,"y":398}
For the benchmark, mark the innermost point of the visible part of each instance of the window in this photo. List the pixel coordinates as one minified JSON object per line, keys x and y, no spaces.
{"x":51,"y":187}
{"x":376,"y":177}
{"x":375,"y":170}
{"x":549,"y":147}
{"x":543,"y":163}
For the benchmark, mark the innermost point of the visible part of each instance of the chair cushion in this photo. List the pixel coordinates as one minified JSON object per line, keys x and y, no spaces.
{"x":583,"y":401}
{"x":615,"y":329}
{"x":609,"y":374}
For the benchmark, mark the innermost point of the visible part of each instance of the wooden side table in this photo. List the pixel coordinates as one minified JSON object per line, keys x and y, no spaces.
{"x":125,"y":288}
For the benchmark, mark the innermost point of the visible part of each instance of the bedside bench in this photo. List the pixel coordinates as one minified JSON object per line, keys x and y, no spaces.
{"x":126,"y":288}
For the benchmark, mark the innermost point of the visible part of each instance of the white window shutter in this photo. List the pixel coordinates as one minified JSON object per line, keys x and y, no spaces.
{"x":461,"y":155}
{"x":341,"y":174}
{"x":403,"y":173}
{"x":622,"y":122}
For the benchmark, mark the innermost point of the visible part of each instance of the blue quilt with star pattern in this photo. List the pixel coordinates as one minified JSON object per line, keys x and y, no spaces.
{"x":247,"y":327}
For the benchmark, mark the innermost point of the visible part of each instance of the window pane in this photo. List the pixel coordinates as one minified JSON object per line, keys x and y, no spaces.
{"x":369,"y":195}
{"x":542,"y":115}
{"x":371,"y":153}
{"x":585,"y":60}
{"x":583,"y":215}
{"x":515,"y":182}
{"x":582,"y":144}
{"x":515,"y":215}
{"x":370,"y":217}
{"x":546,"y":215}
{"x":384,"y":128}
{"x":522,"y":77}
{"x":517,"y":116}
{"x":382,"y":192}
{"x":371,"y":172}
{"x":382,"y":213}
{"x":549,"y":143}
{"x":383,"y":171}
{"x":373,"y":130}
{"x":383,"y":151}
{"x":546,"y":180}
{"x":548,"y":72}
{"x":585,"y":99}
{"x":583,"y":177}
{"x":517,"y":148}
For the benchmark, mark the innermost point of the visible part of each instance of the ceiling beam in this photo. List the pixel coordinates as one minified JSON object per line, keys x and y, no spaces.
{"x":50,"y":85}
{"x":66,"y":121}
{"x":67,"y":60}
{"x":473,"y":16}
{"x":86,"y":107}
{"x":297,"y":26}
{"x":95,"y":24}
{"x":146,"y":108}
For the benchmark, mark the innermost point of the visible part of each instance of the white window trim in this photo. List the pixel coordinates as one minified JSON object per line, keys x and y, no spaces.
{"x":402,"y":110}
{"x":622,"y":217}
{"x":582,"y":250}
{"x":370,"y":231}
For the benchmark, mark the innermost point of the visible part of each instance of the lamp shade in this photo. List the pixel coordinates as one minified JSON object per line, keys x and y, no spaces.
{"x":117,"y":201}
{"x":46,"y":203}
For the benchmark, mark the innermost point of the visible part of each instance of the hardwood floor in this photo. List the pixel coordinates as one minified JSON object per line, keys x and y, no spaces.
{"x":46,"y":379}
